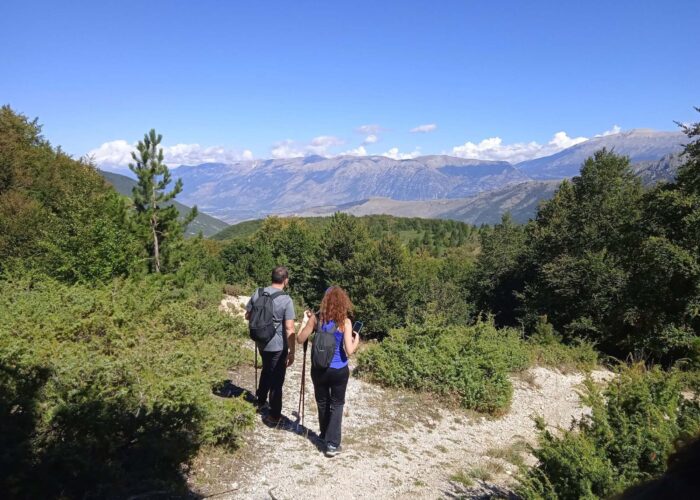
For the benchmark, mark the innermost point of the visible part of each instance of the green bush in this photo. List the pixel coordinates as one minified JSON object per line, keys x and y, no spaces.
{"x":108,"y":389}
{"x":547,"y":349}
{"x":633,"y":428}
{"x":465,"y":364}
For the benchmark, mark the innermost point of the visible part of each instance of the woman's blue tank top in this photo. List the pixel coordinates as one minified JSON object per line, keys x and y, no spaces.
{"x":340,"y":359}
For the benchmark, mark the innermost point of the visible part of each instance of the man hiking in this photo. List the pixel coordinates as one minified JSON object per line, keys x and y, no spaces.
{"x":270,"y":312}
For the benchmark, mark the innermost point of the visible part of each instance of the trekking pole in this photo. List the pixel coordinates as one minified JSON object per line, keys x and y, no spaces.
{"x":302,"y":388}
{"x":256,"y":369}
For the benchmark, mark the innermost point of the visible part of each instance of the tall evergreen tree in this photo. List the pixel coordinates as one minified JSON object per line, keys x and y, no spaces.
{"x":151,"y":199}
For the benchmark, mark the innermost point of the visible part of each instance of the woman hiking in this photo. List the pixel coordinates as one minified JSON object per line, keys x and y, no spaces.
{"x":330,"y":382}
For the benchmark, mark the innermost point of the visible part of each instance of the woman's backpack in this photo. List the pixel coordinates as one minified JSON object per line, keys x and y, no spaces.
{"x":323,"y":348}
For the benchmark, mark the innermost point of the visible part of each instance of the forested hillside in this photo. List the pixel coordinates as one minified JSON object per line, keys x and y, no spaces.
{"x":432,"y":235}
{"x":114,"y":355}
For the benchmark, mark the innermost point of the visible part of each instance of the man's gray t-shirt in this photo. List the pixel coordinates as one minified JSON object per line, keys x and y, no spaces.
{"x":283,"y":310}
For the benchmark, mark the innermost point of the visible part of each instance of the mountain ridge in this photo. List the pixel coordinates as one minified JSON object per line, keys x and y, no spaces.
{"x":252,"y":189}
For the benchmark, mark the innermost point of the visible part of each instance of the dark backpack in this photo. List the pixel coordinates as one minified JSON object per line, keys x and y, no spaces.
{"x":262,"y":324}
{"x":323,"y":348}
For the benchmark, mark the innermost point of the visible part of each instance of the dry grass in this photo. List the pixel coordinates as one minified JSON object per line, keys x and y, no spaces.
{"x":513,"y":454}
{"x":487,"y":471}
{"x":529,"y":378}
{"x":462,"y":478}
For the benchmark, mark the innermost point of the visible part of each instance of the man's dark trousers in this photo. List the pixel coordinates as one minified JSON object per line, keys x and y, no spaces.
{"x":274,"y":369}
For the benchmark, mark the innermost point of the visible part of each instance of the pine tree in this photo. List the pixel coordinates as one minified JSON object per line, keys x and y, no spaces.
{"x":151,"y":199}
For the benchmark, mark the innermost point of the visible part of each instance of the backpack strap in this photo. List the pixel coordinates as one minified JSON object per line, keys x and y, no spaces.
{"x":277,"y":294}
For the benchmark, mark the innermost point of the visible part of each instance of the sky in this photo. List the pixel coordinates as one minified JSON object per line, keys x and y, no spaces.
{"x":231,"y":80}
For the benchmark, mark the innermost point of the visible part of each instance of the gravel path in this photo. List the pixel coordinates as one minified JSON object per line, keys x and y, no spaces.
{"x":397,"y":444}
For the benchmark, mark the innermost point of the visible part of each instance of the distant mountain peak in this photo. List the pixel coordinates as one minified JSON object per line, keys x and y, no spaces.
{"x":640,"y":144}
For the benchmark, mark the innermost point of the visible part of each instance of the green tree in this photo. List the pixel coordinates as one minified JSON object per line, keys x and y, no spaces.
{"x":247,"y":262}
{"x":664,"y":291}
{"x":292,"y":243}
{"x":151,"y":198}
{"x":57,"y":215}
{"x":498,"y":277}
{"x":580,"y":252}
{"x":378,"y":285}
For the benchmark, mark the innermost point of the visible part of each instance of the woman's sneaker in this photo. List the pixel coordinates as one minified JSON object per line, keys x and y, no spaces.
{"x":332,"y":451}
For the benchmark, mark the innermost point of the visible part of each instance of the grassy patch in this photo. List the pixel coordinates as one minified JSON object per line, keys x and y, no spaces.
{"x":462,"y":478}
{"x":487,"y":471}
{"x":513,"y":454}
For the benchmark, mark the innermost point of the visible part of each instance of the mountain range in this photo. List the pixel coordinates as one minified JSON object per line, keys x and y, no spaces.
{"x":475,"y":191}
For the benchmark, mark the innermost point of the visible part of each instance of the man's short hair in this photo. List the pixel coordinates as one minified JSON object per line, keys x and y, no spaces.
{"x":279,"y":274}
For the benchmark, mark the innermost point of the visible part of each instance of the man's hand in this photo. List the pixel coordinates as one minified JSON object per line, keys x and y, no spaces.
{"x":290,"y":359}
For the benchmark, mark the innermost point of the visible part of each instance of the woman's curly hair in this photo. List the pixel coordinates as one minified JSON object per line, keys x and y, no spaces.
{"x":336,"y":306}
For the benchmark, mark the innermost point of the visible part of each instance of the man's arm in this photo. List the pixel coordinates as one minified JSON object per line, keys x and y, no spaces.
{"x":291,"y":334}
{"x":290,"y":331}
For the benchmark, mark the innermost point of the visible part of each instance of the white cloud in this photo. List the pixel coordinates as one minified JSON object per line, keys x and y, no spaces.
{"x":358,"y":151}
{"x":371,"y":139}
{"x":371,"y":132}
{"x":395,"y":154}
{"x":371,"y":129}
{"x":614,"y":130}
{"x":286,"y":149}
{"x":317,"y":146}
{"x":117,"y":154}
{"x":494,"y":149}
{"x":424,"y":129}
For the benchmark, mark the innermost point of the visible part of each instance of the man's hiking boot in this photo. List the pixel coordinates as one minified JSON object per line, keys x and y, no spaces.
{"x":332,"y":451}
{"x":262,"y":408}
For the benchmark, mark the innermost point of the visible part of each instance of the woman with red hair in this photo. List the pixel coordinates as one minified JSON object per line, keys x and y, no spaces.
{"x":330,"y":383}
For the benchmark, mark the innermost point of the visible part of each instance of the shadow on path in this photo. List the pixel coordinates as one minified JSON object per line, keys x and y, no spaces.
{"x":228,"y":389}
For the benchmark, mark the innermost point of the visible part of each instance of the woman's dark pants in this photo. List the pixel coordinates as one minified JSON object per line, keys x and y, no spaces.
{"x":329,"y":390}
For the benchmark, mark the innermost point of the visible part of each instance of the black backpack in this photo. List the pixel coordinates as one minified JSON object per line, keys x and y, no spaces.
{"x":322,"y":348}
{"x":262,"y":324}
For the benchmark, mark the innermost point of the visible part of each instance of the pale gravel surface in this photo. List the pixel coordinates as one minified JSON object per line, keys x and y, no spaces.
{"x":397,"y":444}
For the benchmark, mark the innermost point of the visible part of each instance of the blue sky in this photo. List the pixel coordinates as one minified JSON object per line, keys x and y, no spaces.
{"x":233,"y":79}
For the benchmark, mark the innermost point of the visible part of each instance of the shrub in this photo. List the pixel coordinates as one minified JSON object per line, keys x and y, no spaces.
{"x":108,"y":389}
{"x":627,"y":439}
{"x":466,"y":364}
{"x":547,"y":349}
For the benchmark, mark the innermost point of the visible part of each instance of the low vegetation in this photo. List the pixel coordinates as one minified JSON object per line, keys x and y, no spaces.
{"x":635,"y":425}
{"x":468,"y":365}
{"x":107,"y":389}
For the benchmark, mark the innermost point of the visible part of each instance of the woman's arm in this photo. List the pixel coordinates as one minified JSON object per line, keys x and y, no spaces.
{"x":308,"y":328}
{"x":350,"y":341}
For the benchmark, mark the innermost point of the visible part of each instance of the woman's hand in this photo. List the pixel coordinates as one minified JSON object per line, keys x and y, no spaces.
{"x":308,"y":327}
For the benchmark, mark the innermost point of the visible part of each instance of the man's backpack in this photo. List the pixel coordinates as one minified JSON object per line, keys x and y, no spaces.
{"x":323,"y":348}
{"x":261,"y":323}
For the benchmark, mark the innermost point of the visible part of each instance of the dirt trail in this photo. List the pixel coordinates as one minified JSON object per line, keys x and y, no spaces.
{"x":397,"y":444}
